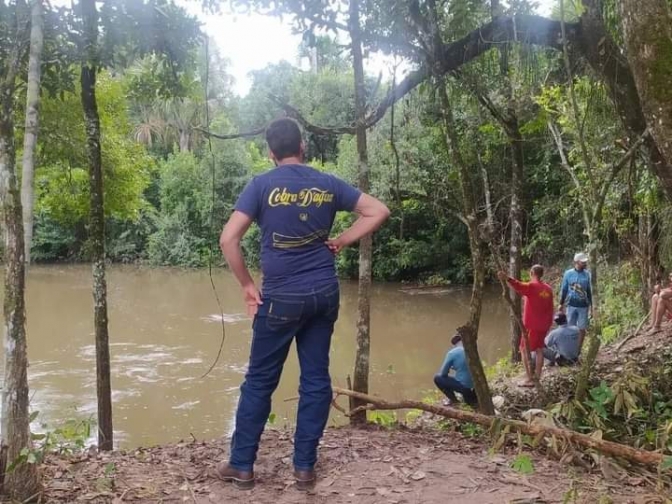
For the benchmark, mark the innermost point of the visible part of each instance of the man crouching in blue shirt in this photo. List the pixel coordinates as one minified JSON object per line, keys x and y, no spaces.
{"x":461,"y":382}
{"x":295,"y":206}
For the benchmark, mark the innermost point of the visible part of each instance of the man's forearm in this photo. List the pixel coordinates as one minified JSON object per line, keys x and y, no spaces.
{"x":234,"y":257}
{"x":360,"y":228}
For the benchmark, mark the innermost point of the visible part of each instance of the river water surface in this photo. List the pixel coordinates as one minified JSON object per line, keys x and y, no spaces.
{"x":165,"y":330}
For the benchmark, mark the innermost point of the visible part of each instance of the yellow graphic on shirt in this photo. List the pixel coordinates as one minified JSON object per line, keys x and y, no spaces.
{"x":313,"y":196}
{"x":286,"y":242}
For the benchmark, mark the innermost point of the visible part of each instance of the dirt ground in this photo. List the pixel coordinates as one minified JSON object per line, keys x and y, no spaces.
{"x":370,"y":466}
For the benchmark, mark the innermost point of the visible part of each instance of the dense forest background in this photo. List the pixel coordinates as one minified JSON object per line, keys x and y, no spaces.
{"x":158,"y":166}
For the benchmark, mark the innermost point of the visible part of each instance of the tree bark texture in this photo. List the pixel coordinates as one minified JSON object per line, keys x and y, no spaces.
{"x":362,"y":358}
{"x":22,"y":482}
{"x":469,"y":332}
{"x":648,"y":238}
{"x":516,"y":238}
{"x":32,"y":123}
{"x":96,"y":223}
{"x":647,"y":32}
{"x":596,"y":44}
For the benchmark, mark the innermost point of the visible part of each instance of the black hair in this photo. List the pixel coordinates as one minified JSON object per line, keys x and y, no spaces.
{"x":284,"y":138}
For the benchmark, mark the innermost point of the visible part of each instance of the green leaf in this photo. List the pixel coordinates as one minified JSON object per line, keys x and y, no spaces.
{"x":523,"y":464}
{"x":666,"y":463}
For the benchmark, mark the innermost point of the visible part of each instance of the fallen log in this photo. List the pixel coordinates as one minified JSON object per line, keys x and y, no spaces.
{"x":645,"y":457}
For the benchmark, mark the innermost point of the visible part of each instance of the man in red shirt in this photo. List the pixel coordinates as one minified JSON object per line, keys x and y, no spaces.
{"x":537,"y":317}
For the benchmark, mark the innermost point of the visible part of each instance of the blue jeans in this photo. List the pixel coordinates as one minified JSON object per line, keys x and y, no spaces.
{"x":449,"y":385}
{"x":577,"y":316}
{"x":309,"y":317}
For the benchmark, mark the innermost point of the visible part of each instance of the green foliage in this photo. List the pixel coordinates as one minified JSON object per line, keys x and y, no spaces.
{"x":503,"y":368}
{"x":471,"y":430}
{"x":632,"y":410}
{"x":69,"y":438}
{"x":184,"y":234}
{"x":523,"y":464}
{"x":385,"y":419}
{"x":62,"y":182}
{"x":621,"y":307}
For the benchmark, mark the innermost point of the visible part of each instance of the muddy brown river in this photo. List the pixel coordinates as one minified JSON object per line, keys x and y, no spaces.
{"x":165,"y":330}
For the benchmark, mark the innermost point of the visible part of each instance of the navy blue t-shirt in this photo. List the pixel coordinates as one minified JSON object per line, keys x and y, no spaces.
{"x":295,"y":206}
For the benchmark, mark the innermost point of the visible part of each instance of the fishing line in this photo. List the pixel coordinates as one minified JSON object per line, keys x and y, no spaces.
{"x":212,"y":205}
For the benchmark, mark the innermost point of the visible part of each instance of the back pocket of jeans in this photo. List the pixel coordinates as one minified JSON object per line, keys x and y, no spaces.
{"x":283,"y":313}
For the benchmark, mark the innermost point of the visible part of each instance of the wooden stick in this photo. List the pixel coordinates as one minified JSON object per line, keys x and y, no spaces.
{"x":644,"y":457}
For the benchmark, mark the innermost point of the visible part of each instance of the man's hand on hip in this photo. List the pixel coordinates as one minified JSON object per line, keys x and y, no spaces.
{"x":335,"y":245}
{"x":252,"y":298}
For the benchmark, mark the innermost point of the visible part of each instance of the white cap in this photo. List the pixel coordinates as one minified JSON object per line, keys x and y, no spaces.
{"x":581,"y":257}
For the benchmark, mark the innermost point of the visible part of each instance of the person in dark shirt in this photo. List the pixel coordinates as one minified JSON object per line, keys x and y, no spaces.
{"x":294,"y":205}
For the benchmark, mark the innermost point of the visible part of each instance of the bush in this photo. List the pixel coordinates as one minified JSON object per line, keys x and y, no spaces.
{"x":621,"y":309}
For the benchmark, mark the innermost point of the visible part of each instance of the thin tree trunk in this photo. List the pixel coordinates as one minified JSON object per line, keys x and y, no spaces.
{"x":648,"y":234}
{"x":516,"y":241}
{"x":185,"y":141}
{"x":517,"y":173}
{"x":469,"y":332}
{"x":97,"y":223}
{"x":32,"y":122}
{"x":647,"y":31}
{"x":23,"y":481}
{"x":593,"y":336}
{"x":361,"y":373}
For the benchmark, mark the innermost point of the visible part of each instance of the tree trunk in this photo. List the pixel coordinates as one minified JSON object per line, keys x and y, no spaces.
{"x":96,"y":223}
{"x":185,"y":141}
{"x":593,"y":335}
{"x":32,"y":123}
{"x":361,"y":374}
{"x":647,"y":32}
{"x":21,"y":482}
{"x":603,"y":54}
{"x":516,"y":242}
{"x":648,"y":235}
{"x":517,"y":173}
{"x":469,"y":332}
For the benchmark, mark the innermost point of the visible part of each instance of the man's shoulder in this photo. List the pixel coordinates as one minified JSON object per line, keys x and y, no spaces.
{"x":456,"y":350}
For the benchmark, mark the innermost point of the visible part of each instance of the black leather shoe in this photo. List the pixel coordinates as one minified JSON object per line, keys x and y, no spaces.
{"x":243,"y":480}
{"x":305,"y":480}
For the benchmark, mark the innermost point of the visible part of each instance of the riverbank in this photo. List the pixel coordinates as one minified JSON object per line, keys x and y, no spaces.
{"x":369,"y":466}
{"x":643,"y":359}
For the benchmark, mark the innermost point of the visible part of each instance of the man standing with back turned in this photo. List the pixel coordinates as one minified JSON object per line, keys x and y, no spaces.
{"x":295,"y":206}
